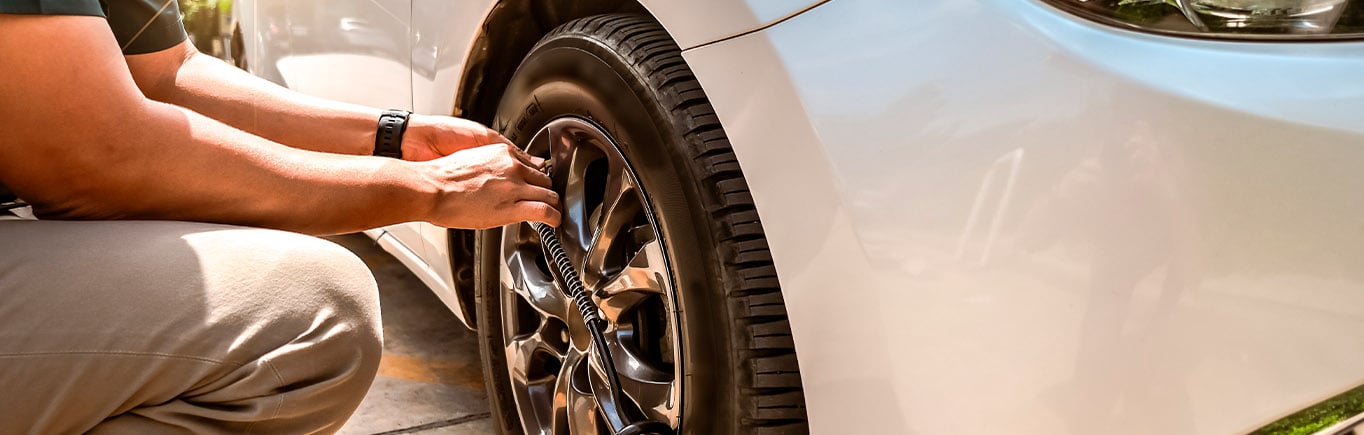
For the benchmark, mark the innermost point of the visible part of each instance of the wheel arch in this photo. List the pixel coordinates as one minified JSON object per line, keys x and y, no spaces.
{"x":509,"y":31}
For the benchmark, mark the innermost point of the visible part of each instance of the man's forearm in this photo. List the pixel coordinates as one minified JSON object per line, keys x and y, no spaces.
{"x":167,"y":162}
{"x":183,"y":77}
{"x":82,"y":140}
{"x":222,"y":92}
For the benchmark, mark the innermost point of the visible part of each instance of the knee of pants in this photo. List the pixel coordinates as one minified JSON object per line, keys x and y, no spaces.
{"x":181,"y":287}
{"x":318,"y":277}
{"x":325,"y":286}
{"x":271,"y":325}
{"x":315,"y":303}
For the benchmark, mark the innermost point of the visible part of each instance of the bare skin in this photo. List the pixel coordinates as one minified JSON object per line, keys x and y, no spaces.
{"x":86,"y":133}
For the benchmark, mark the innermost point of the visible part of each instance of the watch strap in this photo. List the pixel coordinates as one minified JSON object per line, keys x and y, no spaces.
{"x":388,"y":140}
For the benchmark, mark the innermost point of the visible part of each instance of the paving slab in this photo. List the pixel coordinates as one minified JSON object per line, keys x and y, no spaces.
{"x":430,"y":380}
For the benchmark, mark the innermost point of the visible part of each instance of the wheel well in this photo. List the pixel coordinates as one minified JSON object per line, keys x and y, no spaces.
{"x":509,"y":32}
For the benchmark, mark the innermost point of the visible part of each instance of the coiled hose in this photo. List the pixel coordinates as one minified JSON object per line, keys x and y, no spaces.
{"x":609,"y":397}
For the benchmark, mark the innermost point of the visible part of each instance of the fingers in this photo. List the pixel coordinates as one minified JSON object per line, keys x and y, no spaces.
{"x":538,"y":178}
{"x":534,"y":162}
{"x":540,"y":205}
{"x":534,"y":166}
{"x":541,"y":195}
{"x":507,"y":180}
{"x":537,"y":212}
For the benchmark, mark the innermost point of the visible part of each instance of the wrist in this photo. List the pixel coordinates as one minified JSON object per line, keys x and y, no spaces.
{"x":430,"y":189}
{"x":416,"y":143}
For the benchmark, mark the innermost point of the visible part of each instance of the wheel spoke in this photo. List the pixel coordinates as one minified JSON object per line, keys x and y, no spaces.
{"x":619,"y":209}
{"x":582,"y":412}
{"x":562,"y":384}
{"x":642,"y":277}
{"x":634,"y":369}
{"x":520,"y":356}
{"x":647,"y":388}
{"x":570,"y":165}
{"x":654,"y":398}
{"x":576,"y":410}
{"x":536,"y":389}
{"x":533,"y":285}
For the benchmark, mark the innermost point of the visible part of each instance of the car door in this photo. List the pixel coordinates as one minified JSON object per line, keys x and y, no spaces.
{"x":442,"y":32}
{"x":354,"y":51}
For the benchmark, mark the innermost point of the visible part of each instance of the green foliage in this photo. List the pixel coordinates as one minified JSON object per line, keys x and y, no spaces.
{"x":204,"y":21}
{"x":202,"y":11}
{"x":1318,"y":417}
{"x":1145,"y":11}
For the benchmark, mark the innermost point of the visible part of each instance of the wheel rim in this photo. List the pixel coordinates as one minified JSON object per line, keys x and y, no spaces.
{"x":611,"y":236}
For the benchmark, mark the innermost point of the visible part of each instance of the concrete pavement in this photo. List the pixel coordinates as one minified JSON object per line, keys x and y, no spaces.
{"x":430,"y":381}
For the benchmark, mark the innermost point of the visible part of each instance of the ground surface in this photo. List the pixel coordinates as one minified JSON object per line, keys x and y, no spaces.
{"x":429,"y":381}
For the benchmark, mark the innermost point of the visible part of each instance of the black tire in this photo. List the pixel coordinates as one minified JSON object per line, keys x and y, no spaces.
{"x":625,"y":75}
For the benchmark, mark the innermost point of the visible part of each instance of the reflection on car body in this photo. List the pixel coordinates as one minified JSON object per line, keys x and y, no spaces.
{"x":984,"y":216}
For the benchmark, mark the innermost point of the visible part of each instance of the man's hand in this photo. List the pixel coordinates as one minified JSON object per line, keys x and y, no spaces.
{"x":490,"y":186}
{"x":432,"y":137}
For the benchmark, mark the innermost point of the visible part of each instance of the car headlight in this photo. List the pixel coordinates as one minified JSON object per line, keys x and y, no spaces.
{"x":1229,"y":19}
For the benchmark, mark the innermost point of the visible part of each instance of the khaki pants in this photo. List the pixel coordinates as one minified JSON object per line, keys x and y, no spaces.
{"x":171,"y":327}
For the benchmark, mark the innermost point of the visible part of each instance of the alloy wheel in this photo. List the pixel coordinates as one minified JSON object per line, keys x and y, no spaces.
{"x":610,"y":235}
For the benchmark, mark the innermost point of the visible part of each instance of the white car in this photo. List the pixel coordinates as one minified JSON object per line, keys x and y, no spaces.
{"x":891,"y":216}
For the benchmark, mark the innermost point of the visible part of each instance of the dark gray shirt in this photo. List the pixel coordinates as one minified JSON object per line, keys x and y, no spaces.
{"x":140,"y":26}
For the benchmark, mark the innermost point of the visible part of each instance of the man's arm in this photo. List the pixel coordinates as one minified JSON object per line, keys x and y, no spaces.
{"x":184,"y":77}
{"x":81,"y":141}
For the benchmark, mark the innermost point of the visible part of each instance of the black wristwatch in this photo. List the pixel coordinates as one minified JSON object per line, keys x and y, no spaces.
{"x":388,"y":141}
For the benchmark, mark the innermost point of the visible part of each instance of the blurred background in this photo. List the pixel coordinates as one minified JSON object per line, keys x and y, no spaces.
{"x":208,"y":23}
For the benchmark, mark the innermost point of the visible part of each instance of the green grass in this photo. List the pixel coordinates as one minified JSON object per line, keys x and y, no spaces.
{"x":1319,"y":416}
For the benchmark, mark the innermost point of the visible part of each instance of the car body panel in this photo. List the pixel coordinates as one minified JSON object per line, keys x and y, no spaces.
{"x":442,"y":37}
{"x":696,"y":22}
{"x":428,"y":275}
{"x":443,"y":33}
{"x":990,"y":217}
{"x":354,"y":51}
{"x":987,"y":216}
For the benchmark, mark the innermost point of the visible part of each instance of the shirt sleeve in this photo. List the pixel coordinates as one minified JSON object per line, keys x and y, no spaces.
{"x":146,"y":26}
{"x":140,"y":26}
{"x":52,"y":7}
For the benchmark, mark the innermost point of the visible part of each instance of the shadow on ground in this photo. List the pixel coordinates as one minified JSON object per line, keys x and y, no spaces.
{"x":430,"y":381}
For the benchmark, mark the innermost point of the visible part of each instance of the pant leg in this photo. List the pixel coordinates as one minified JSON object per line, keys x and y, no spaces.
{"x":172,"y":327}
